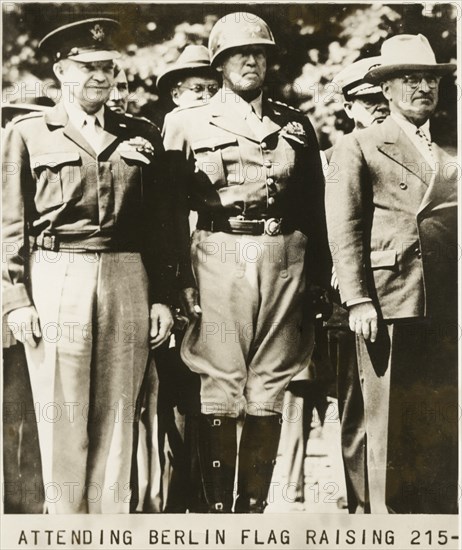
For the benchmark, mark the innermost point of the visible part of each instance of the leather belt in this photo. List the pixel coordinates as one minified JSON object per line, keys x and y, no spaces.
{"x":243,"y":226}
{"x":56,"y":243}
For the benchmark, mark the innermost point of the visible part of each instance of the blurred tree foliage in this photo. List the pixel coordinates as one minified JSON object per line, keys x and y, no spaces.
{"x":315,"y":41}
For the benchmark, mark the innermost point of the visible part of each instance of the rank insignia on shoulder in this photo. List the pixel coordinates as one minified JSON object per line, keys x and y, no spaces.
{"x":294,"y":130}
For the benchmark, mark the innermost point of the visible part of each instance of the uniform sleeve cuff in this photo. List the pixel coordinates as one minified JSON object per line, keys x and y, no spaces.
{"x":357,"y":301}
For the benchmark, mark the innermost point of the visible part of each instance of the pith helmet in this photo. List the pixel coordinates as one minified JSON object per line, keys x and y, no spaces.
{"x":238,"y":29}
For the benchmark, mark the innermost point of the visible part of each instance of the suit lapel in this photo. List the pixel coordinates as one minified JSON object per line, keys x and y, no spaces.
{"x":398,"y":147}
{"x":113,"y":127}
{"x":58,"y":117}
{"x":226,"y":117}
{"x":271,"y":119}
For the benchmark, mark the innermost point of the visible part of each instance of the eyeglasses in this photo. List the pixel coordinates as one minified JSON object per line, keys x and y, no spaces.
{"x":201,"y":88}
{"x":413,"y":80}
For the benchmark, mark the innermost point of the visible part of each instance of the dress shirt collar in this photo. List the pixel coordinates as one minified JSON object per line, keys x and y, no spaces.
{"x":78,"y":116}
{"x":409,"y":128}
{"x":242,"y":106}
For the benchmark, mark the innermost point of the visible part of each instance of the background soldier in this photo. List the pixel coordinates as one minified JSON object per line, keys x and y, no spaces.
{"x":189,"y":80}
{"x":118,"y":98}
{"x":251,"y":168}
{"x":365,"y":104}
{"x":80,"y":185}
{"x":392,"y":213}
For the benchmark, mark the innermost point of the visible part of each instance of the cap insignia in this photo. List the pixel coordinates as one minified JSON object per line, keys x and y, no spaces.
{"x":97,"y":33}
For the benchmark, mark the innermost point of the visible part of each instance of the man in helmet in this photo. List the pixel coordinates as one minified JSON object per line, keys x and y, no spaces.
{"x":251,"y":168}
{"x":87,"y":266}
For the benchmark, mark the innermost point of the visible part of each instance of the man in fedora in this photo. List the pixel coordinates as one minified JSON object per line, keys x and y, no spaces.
{"x":87,"y":263}
{"x":170,"y":391}
{"x":251,"y":168}
{"x":392,"y":214}
{"x":191,"y":78}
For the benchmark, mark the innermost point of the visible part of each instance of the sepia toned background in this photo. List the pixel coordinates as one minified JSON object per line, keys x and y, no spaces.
{"x":315,"y":41}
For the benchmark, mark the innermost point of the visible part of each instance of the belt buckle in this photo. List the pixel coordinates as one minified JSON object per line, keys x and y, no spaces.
{"x":272,"y":226}
{"x":49,"y":242}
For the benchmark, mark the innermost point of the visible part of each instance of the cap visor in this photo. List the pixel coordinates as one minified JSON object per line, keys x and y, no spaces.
{"x":89,"y":57}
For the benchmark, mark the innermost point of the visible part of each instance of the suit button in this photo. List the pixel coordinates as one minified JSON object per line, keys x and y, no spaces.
{"x":267,"y":164}
{"x":270,"y":181}
{"x":271,"y":200}
{"x":263,"y":144}
{"x":418,"y":252}
{"x":403,"y":185}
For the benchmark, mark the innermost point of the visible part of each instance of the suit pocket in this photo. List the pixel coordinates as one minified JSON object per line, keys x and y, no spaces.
{"x":383,"y":259}
{"x":219,"y":160}
{"x":59,"y":179}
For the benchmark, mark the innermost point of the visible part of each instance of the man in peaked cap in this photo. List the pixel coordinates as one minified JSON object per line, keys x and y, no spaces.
{"x":392,"y":214}
{"x":365,"y":105}
{"x":251,"y":168}
{"x":86,"y":265}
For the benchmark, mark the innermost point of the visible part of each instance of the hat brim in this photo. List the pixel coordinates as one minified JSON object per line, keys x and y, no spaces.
{"x":364,"y":88}
{"x":97,"y":55}
{"x":165,"y":79}
{"x":381,"y":73}
{"x":238,"y":44}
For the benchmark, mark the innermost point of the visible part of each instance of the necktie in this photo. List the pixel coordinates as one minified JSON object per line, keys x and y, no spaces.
{"x":92,"y":132}
{"x":426,"y":145}
{"x":255,"y":123}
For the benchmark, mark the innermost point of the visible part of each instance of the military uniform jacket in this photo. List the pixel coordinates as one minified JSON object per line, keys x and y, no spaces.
{"x":392,"y":222}
{"x":54,"y":184}
{"x":222,"y":167}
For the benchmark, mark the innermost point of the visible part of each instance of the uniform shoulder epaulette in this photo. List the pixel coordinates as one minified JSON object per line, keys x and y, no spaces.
{"x":27,"y":116}
{"x":281,"y":104}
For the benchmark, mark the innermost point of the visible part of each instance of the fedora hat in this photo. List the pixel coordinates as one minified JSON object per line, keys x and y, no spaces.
{"x":193,"y":58}
{"x":350,"y":80}
{"x":406,"y":52}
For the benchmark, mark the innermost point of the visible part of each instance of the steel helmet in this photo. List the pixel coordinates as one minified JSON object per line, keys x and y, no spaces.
{"x":238,"y":29}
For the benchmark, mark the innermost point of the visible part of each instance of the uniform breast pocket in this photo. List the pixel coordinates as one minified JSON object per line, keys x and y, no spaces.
{"x":58,"y":177}
{"x":293,"y":146}
{"x":218,"y":160}
{"x":134,"y":162}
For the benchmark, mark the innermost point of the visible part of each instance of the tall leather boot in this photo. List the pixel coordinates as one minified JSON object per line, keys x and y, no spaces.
{"x":217,"y":457}
{"x":257,"y":456}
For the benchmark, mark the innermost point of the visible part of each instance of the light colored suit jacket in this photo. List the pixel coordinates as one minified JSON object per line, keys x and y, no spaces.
{"x":392,"y":223}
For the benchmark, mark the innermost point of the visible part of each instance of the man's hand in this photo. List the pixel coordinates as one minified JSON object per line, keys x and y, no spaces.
{"x":363,"y":320}
{"x":161,"y":324}
{"x":25,"y":325}
{"x":189,"y":301}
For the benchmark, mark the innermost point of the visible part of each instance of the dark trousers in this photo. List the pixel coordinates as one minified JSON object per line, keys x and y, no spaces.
{"x":409,"y":379}
{"x":22,"y":470}
{"x":342,"y":352}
